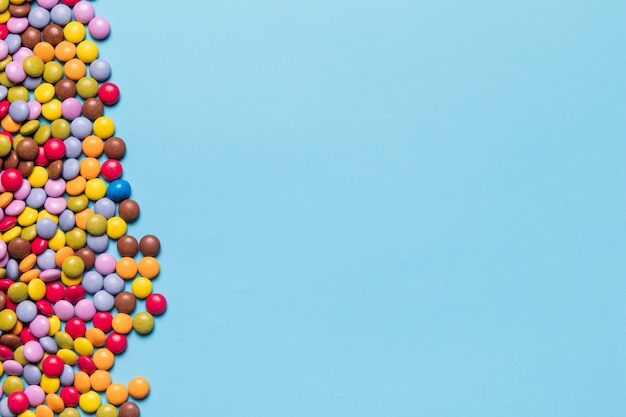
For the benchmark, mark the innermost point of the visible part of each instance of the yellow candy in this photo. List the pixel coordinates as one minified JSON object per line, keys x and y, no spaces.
{"x":116,"y":227}
{"x":83,"y":346}
{"x":70,"y":281}
{"x":55,"y":325}
{"x":51,"y":110}
{"x":87,"y":51}
{"x":27,"y":413}
{"x":49,"y":384}
{"x":27,"y":217}
{"x":95,"y":189}
{"x":141,"y":287}
{"x":44,"y":93}
{"x":89,"y":401}
{"x":68,"y":356}
{"x":11,"y":234}
{"x":74,"y":32}
{"x":38,"y":177}
{"x":36,"y":289}
{"x":57,"y":241}
{"x":104,"y":127}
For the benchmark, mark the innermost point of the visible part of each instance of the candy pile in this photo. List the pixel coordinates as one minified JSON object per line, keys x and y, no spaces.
{"x":66,"y":303}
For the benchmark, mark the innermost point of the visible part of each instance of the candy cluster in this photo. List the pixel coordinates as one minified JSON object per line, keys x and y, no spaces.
{"x":66,"y":303}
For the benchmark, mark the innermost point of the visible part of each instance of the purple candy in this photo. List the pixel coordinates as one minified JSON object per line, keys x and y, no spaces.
{"x":50,"y":275}
{"x":36,"y":198}
{"x":35,"y":394}
{"x":40,"y":326}
{"x":22,"y":54}
{"x":48,"y":4}
{"x":13,"y":367}
{"x":64,"y":310}
{"x":15,"y":207}
{"x":26,"y":311}
{"x":98,"y":244}
{"x":67,"y":377}
{"x":46,"y":228}
{"x":83,"y":11}
{"x":35,"y":109}
{"x":33,"y":351}
{"x":85,"y":310}
{"x":71,"y":108}
{"x":4,"y":49}
{"x":31,"y":373}
{"x":55,"y":205}
{"x":17,"y":24}
{"x":99,"y":27}
{"x":23,"y":191}
{"x":55,"y":188}
{"x":3,"y":248}
{"x":105,"y":263}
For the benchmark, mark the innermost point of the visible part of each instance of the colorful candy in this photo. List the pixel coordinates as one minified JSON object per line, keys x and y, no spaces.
{"x":67,"y":305}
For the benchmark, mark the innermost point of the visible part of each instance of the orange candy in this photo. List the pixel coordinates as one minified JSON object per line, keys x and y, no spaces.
{"x":75,"y":69}
{"x":103,"y":359}
{"x":82,"y":381}
{"x":93,"y":146}
{"x":61,"y":254}
{"x":148,"y":267}
{"x":45,"y":51}
{"x":89,"y":168}
{"x":100,"y":380}
{"x":122,"y":323}
{"x":65,"y":51}
{"x":138,"y":387}
{"x":116,"y":393}
{"x":126,"y":267}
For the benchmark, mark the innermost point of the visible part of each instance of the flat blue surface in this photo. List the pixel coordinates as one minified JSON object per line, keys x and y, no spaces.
{"x":378,"y":208}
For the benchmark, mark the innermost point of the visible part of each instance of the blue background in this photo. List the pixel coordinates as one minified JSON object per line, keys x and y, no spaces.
{"x":378,"y":208}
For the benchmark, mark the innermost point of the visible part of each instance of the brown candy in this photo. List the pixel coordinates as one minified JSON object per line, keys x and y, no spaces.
{"x":3,"y":300}
{"x":26,"y":167}
{"x":27,"y":149}
{"x":31,"y":37}
{"x":92,"y":108}
{"x":55,"y":169}
{"x":149,"y":245}
{"x":127,"y":246}
{"x":129,"y":409}
{"x":114,"y":148}
{"x":11,"y":160}
{"x":19,"y":248}
{"x":88,"y":257}
{"x":128,"y":210}
{"x":19,"y":10}
{"x":125,"y":302}
{"x":53,"y":34}
{"x":12,"y":341}
{"x":65,"y":88}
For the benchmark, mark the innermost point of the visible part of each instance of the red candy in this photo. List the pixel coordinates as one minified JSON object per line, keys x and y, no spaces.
{"x":86,"y":364}
{"x":4,"y":31}
{"x":70,"y":396}
{"x":116,"y":342}
{"x":38,"y":245}
{"x":44,"y":307}
{"x":54,"y":291}
{"x":5,"y":353}
{"x":109,"y":93}
{"x":111,"y":169}
{"x":156,"y":304}
{"x":4,"y":108}
{"x":18,"y":402}
{"x":103,"y":320}
{"x":52,"y":366}
{"x":75,"y":328}
{"x":7,"y":223}
{"x":26,"y":335}
{"x":11,"y":179}
{"x":41,"y":158}
{"x":74,"y":293}
{"x":54,"y":149}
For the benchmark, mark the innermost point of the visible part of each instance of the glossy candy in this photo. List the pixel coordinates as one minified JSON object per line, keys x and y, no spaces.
{"x":66,"y":303}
